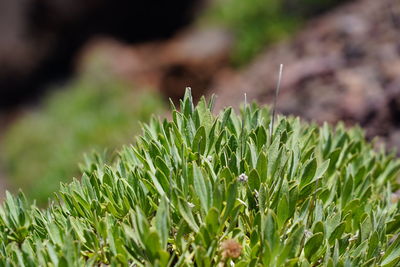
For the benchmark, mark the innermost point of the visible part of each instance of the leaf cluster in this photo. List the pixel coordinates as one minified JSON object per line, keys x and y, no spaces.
{"x":201,"y":190}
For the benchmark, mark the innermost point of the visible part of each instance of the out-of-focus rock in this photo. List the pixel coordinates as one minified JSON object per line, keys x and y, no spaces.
{"x":190,"y":59}
{"x":39,"y":38}
{"x":343,"y":66}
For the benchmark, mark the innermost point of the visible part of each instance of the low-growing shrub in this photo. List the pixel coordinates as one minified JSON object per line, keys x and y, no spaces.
{"x":44,"y":146}
{"x":216,"y":191}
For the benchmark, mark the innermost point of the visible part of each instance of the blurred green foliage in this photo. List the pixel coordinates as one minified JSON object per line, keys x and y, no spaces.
{"x":257,"y":23}
{"x":44,"y":146}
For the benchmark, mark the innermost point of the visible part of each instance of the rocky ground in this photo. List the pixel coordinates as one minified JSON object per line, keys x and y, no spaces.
{"x":192,"y":58}
{"x":40,"y":38}
{"x":344,"y":65}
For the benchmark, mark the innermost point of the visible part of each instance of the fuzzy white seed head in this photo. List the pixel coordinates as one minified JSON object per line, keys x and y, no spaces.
{"x":256,"y":193}
{"x":353,"y":238}
{"x":308,"y":233}
{"x":243,"y":178}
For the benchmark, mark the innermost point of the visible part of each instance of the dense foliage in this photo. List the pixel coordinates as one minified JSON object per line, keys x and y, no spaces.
{"x":96,"y":111}
{"x":257,"y":23}
{"x":207,"y":191}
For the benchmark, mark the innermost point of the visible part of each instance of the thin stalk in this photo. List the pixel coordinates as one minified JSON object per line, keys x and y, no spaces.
{"x":278,"y":86}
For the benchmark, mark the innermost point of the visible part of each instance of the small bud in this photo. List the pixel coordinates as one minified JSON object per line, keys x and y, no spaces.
{"x":256,"y":193}
{"x":353,"y":238}
{"x":243,"y":178}
{"x":231,"y":249}
{"x":308,"y":233}
{"x":191,"y":205}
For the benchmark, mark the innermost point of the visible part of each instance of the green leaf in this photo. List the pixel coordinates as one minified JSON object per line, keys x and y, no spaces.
{"x":322,"y":168}
{"x":230,"y":199}
{"x":313,"y":245}
{"x":263,"y":198}
{"x":186,"y":213}
{"x":212,"y":221}
{"x":271,"y":230}
{"x":273,"y":154}
{"x":262,"y":166}
{"x":337,"y":232}
{"x":202,"y":186}
{"x":373,"y":245}
{"x":162,"y":221}
{"x":308,"y":172}
{"x":200,"y":141}
{"x":206,"y":117}
{"x":283,"y":211}
{"x":392,"y":254}
{"x":187,"y":104}
{"x":152,"y":245}
{"x":292,"y":245}
{"x":347,"y":191}
{"x":254,"y":180}
{"x":333,"y":158}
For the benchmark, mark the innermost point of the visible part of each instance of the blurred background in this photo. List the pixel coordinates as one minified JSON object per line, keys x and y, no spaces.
{"x":80,"y":76}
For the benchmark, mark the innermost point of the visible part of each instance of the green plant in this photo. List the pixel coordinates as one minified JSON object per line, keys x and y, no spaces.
{"x":210,"y":191}
{"x":96,"y":111}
